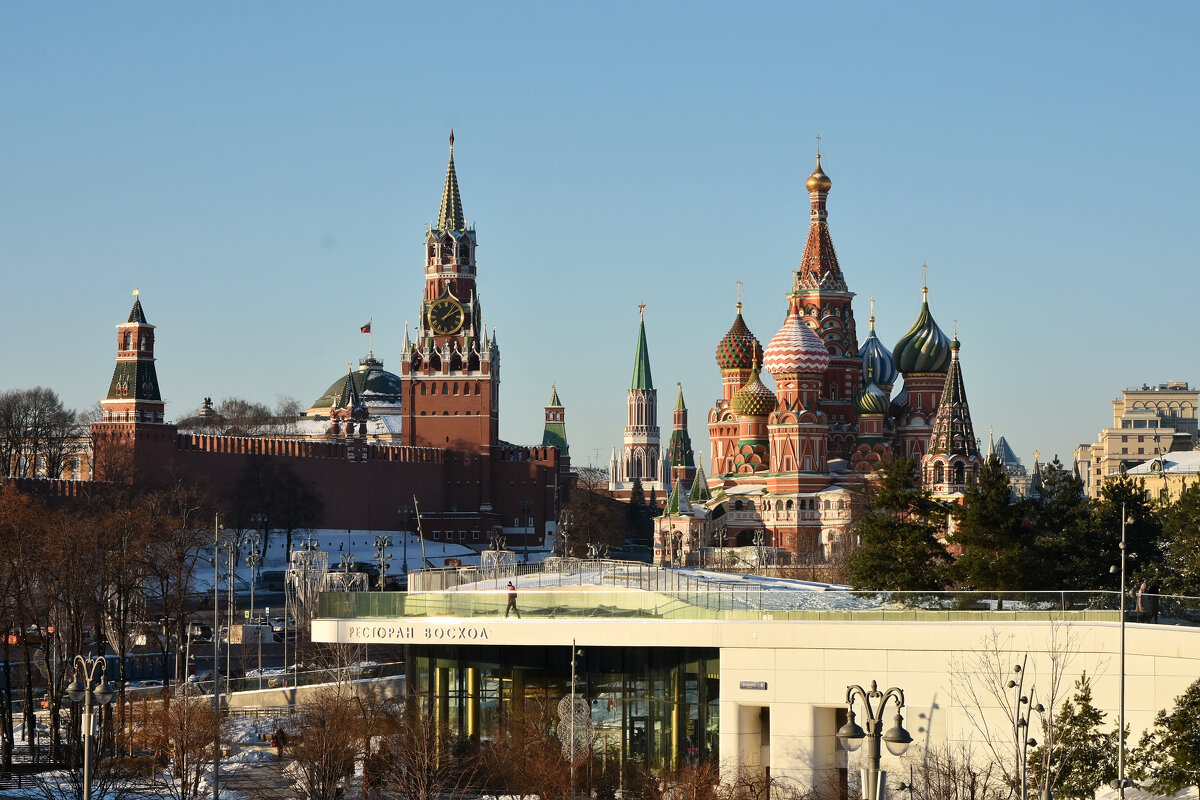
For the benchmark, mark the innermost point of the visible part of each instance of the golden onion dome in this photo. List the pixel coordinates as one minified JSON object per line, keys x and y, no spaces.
{"x":818,"y":181}
{"x":754,"y":399}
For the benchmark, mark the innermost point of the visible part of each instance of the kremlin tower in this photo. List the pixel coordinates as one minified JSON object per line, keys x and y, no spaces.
{"x":953,"y":460}
{"x":641,"y":456}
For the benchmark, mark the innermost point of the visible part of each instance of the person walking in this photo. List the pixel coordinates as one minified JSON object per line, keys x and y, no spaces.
{"x":512,"y":601}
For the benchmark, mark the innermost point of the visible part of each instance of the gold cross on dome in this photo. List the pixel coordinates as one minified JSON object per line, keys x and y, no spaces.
{"x":818,"y":146}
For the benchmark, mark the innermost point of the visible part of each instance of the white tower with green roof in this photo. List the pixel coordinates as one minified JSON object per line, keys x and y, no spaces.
{"x":641,"y":458}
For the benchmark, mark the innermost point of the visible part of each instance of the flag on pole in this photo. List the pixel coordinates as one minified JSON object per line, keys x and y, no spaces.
{"x":365,"y":328}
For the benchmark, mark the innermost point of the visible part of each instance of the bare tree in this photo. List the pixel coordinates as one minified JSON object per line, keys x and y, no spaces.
{"x":328,"y":743}
{"x":983,"y":683}
{"x":421,"y":759}
{"x":526,"y":757}
{"x":37,"y":433}
{"x":183,"y":732}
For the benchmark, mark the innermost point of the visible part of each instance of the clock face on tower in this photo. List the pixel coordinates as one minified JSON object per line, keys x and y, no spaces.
{"x":445,"y":316}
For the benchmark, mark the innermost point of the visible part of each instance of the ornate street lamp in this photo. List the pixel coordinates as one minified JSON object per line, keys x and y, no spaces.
{"x":254,"y":558}
{"x":383,"y":557}
{"x":896,"y":738}
{"x":1023,"y":705}
{"x":89,"y":689}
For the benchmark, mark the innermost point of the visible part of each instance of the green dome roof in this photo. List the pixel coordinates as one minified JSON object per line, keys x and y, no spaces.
{"x":378,"y":388}
{"x":924,"y":348}
{"x":872,"y":400}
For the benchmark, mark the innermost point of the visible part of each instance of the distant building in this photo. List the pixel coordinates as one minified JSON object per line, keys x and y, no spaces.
{"x":1148,"y":421}
{"x":1165,"y":477}
{"x":1018,"y":476}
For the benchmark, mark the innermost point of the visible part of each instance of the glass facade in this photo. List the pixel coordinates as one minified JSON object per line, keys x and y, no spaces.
{"x":654,"y":706}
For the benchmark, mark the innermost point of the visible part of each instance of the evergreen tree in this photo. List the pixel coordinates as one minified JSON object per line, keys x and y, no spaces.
{"x":898,"y":546}
{"x":995,"y":535}
{"x":1181,"y":543}
{"x":1083,"y":757}
{"x":1143,"y":534}
{"x":1065,"y":527}
{"x":1167,"y":758}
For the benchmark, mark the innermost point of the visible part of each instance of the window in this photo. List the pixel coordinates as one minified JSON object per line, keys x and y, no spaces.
{"x":939,"y":473}
{"x":127,"y":341}
{"x":1124,"y":438}
{"x":958,"y":473}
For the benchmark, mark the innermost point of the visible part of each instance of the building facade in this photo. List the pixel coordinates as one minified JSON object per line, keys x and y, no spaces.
{"x":1148,"y":421}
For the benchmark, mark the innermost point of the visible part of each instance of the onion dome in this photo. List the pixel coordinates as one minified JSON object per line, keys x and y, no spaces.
{"x":924,"y":348}
{"x":818,"y":181}
{"x":739,"y":349}
{"x":754,"y":399}
{"x":876,"y":360}
{"x":872,"y":400}
{"x":795,"y":348}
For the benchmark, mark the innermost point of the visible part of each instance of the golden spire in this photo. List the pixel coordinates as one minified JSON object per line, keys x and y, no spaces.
{"x":136,"y":292}
{"x":872,"y":314}
{"x":924,"y":282}
{"x":642,"y":309}
{"x":739,"y":302}
{"x":452,"y":141}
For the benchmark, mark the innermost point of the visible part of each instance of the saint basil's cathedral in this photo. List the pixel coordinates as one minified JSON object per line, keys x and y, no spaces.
{"x":788,"y":467}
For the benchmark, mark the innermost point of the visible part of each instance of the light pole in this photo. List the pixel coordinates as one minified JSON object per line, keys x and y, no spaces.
{"x":90,"y":688}
{"x":1121,"y":729}
{"x":574,"y":654}
{"x":896,"y":738}
{"x":383,"y":557}
{"x":405,"y":515}
{"x":253,"y":561}
{"x":525,"y":504}
{"x":216,"y":637}
{"x":1021,"y":736}
{"x":758,"y":549}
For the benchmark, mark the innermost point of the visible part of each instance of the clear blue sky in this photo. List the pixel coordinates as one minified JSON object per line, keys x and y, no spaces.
{"x":264,"y":173}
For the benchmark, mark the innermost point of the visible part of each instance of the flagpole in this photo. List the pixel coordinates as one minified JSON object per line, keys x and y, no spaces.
{"x":371,"y":327}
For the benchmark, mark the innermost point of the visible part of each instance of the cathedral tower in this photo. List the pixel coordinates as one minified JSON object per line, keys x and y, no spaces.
{"x":826,"y":306}
{"x":737,"y":354}
{"x":922,"y":355}
{"x":953,"y":461}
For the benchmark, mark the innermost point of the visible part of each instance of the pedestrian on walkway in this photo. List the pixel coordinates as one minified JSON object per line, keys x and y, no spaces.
{"x":512,"y":601}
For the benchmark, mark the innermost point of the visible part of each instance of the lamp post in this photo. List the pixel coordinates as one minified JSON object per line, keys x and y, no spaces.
{"x":896,"y":738}
{"x":253,"y":561}
{"x":1121,"y":724}
{"x":383,"y":557}
{"x":758,"y":549}
{"x":574,"y":654}
{"x":1023,"y":705}
{"x":525,"y":504}
{"x":405,"y":515}
{"x":90,"y":688}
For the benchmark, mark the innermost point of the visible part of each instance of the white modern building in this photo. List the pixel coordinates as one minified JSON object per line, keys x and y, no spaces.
{"x":683,"y":665}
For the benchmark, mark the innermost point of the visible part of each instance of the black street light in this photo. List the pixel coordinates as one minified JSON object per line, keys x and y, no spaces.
{"x":1023,"y":705}
{"x":383,"y":557}
{"x":92,"y":688}
{"x":896,"y":738}
{"x":525,"y":506}
{"x":254,"y":558}
{"x":405,"y":516}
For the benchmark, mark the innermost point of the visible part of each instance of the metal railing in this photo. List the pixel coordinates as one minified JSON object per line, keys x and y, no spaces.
{"x":679,"y":595}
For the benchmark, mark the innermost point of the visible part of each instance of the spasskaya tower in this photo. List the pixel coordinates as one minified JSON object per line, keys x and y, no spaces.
{"x":451,"y":371}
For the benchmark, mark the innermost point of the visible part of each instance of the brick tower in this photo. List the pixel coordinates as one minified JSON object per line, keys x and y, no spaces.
{"x":826,"y":307}
{"x":450,"y":373}
{"x":133,"y":408}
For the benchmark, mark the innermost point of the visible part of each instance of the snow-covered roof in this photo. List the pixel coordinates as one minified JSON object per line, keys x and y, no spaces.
{"x":1186,"y":462}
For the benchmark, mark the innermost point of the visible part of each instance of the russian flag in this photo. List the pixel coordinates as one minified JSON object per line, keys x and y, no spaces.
{"x":365,"y":328}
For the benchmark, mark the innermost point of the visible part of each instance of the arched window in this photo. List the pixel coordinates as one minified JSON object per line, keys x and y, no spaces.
{"x":464,"y":252}
{"x":447,"y":250}
{"x":127,"y":342}
{"x":789,"y":505}
{"x":939,"y":473}
{"x":959,"y":473}
{"x":737,"y":505}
